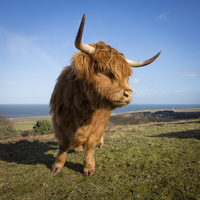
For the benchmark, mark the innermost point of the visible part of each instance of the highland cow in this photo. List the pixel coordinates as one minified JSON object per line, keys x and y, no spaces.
{"x":85,"y":95}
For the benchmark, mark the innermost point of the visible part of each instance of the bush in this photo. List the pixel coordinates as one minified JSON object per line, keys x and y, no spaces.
{"x":43,"y":127}
{"x":6,"y":128}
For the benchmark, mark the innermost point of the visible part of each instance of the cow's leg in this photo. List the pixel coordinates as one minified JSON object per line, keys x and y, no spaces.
{"x":60,"y":159}
{"x":79,"y":149}
{"x":80,"y":138}
{"x":89,"y":162}
{"x":100,"y":143}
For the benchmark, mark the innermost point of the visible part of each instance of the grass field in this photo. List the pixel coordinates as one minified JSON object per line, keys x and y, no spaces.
{"x":27,"y":123}
{"x":157,"y":160}
{"x":23,"y":127}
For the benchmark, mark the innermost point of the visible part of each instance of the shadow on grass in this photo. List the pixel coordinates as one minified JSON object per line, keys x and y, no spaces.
{"x":33,"y":153}
{"x":191,"y":134}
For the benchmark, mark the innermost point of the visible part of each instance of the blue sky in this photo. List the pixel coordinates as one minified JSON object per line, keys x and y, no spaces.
{"x":37,"y":41}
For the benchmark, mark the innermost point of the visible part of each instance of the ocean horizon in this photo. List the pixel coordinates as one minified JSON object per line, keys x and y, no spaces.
{"x":31,"y":110}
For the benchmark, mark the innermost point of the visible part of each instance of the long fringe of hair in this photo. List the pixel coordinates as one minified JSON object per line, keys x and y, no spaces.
{"x":105,"y":59}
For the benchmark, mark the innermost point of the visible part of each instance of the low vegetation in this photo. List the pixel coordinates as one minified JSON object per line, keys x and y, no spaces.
{"x":155,"y":160}
{"x":43,"y":127}
{"x":7,"y":129}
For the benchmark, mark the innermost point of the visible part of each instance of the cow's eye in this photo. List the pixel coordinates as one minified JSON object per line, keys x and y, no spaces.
{"x":111,"y":75}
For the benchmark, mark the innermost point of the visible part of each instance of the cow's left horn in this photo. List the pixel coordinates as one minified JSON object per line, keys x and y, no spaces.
{"x":142,"y":63}
{"x":78,"y":41}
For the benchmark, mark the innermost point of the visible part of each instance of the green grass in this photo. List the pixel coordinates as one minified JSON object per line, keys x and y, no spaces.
{"x":23,"y":126}
{"x":159,"y":160}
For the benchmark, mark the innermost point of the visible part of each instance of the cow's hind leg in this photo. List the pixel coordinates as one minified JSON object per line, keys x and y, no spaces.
{"x":60,"y":159}
{"x":100,"y":143}
{"x":79,"y":149}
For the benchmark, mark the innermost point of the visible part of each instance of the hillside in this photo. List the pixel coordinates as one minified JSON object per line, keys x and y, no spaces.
{"x":155,"y":160}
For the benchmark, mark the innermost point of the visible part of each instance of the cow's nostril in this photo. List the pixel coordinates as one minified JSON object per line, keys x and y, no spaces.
{"x":126,"y":94}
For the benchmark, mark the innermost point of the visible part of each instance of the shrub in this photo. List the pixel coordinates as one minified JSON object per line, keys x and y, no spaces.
{"x":6,"y":128}
{"x":43,"y":127}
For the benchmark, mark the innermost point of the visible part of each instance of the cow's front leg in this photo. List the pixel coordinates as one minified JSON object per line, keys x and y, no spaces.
{"x":89,"y":162}
{"x":60,"y":159}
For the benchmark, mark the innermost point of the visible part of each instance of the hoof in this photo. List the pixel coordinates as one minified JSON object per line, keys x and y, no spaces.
{"x":55,"y":169}
{"x":88,"y":174}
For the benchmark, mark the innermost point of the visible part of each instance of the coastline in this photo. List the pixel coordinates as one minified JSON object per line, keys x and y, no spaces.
{"x":181,"y":110}
{"x":25,"y":120}
{"x":30,"y":110}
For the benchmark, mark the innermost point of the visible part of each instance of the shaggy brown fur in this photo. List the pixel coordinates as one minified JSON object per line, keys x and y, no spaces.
{"x":83,"y":99}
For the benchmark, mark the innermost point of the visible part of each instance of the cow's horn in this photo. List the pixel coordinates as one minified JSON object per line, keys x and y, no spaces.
{"x":78,"y":41}
{"x":142,"y":63}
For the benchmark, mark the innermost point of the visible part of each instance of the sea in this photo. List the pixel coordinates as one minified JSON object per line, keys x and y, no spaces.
{"x":31,"y":110}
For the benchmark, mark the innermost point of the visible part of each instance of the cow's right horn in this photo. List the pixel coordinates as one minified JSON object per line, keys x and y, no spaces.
{"x":133,"y":63}
{"x":78,"y":41}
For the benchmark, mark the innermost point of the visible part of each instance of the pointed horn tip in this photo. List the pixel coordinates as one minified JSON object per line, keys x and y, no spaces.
{"x":78,"y":39}
{"x":158,"y":53}
{"x":83,"y":18}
